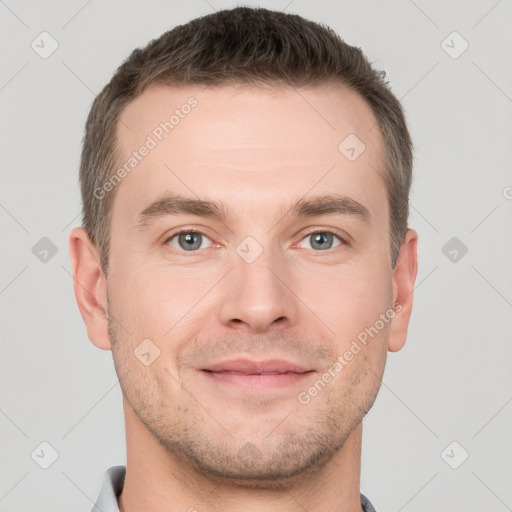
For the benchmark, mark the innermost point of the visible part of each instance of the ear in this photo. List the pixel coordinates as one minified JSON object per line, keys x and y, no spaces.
{"x":404,"y":277}
{"x":90,"y":287}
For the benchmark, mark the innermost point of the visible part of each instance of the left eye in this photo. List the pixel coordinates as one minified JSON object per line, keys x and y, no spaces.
{"x":322,"y":240}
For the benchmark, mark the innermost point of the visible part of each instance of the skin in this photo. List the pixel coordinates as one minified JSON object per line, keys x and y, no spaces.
{"x":193,"y":444}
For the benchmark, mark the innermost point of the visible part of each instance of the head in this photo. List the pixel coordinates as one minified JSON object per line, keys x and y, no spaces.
{"x":245,"y":181}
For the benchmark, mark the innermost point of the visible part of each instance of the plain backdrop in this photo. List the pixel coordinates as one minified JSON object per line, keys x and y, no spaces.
{"x":438,"y":437}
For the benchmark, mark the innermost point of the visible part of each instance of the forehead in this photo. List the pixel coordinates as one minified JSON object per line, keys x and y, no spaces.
{"x":248,"y":146}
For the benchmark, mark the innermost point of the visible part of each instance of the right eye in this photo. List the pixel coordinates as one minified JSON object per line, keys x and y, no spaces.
{"x":187,"y":240}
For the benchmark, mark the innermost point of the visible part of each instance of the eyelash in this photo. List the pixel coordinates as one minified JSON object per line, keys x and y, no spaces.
{"x":198,"y":232}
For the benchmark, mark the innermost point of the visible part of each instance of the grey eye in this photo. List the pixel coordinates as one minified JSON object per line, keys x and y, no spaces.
{"x":188,"y":240}
{"x":321,"y":240}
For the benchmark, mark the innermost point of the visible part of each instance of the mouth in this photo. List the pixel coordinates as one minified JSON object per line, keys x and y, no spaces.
{"x":256,"y":375}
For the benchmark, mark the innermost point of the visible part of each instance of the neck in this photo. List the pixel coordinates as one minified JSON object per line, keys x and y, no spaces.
{"x":157,"y":480}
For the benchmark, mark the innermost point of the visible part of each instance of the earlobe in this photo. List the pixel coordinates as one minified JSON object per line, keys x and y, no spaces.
{"x":404,"y":277}
{"x":90,"y":287}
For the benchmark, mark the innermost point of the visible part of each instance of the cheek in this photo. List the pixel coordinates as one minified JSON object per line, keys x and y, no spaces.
{"x":162,"y":303}
{"x":347,"y":300}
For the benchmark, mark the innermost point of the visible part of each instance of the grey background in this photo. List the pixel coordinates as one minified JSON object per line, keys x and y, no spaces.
{"x":451,"y":382}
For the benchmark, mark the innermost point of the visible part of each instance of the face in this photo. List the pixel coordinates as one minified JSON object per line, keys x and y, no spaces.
{"x":234,"y":335}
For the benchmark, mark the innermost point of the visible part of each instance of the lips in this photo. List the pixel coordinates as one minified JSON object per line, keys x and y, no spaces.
{"x":245,"y":376}
{"x":248,"y":367}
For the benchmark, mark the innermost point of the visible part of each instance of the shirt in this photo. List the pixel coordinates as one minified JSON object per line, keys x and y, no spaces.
{"x":113,"y":482}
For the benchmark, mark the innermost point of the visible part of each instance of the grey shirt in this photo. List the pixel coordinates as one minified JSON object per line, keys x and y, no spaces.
{"x":113,"y":482}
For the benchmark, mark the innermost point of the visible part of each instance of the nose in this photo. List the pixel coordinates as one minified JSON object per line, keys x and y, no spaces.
{"x":258,"y":296}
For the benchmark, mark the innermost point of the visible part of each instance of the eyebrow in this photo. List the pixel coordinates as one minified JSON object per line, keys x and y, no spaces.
{"x":330,"y":204}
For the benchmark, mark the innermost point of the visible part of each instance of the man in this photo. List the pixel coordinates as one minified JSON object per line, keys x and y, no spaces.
{"x":246,"y":257}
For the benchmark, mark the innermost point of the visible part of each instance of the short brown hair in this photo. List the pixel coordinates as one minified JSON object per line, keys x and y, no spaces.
{"x":251,"y":46}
